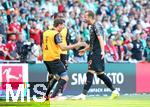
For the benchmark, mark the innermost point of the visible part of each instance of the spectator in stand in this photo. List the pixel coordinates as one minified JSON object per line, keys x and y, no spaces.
{"x":3,"y":49}
{"x":114,"y":27}
{"x":129,"y":16}
{"x":23,"y":29}
{"x":35,"y":51}
{"x":111,"y":51}
{"x":61,"y":5}
{"x":137,"y":48}
{"x":19,"y":44}
{"x":35,"y":33}
{"x":14,"y":27}
{"x":3,"y":29}
{"x":15,"y":6}
{"x":12,"y":48}
{"x":120,"y":48}
{"x":147,"y":51}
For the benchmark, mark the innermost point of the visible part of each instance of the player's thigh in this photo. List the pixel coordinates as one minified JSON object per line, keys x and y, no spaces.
{"x":64,"y":76}
{"x":48,"y":66}
{"x":60,"y":70}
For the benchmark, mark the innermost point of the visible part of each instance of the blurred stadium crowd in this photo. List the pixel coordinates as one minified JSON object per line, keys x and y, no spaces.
{"x":126,"y":27}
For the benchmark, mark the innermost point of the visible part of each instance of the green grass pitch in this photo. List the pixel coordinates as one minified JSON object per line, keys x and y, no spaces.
{"x":122,"y":101}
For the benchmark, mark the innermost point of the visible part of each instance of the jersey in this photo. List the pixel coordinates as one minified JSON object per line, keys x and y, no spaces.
{"x":95,"y":30}
{"x":64,"y":36}
{"x":95,"y":62}
{"x":51,"y":50}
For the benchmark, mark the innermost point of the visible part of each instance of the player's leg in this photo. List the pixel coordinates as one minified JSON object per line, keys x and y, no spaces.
{"x":50,"y":78}
{"x":64,"y":59}
{"x":109,"y":84}
{"x":51,"y":83}
{"x":87,"y":86}
{"x":61,"y":83}
{"x":60,"y":69}
{"x":106,"y":80}
{"x":99,"y":68}
{"x":89,"y":81}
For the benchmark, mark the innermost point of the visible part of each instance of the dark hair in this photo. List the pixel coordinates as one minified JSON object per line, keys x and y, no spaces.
{"x":90,"y":13}
{"x":57,"y":22}
{"x":56,"y":15}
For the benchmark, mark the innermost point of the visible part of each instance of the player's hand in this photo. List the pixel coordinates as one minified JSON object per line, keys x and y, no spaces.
{"x":102,"y":55}
{"x":81,"y":52}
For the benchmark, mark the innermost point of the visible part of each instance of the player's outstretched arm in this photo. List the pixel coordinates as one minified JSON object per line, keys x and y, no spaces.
{"x":77,"y":45}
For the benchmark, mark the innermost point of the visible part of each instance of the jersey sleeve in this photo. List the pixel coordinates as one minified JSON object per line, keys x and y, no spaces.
{"x":99,"y":29}
{"x":58,"y":38}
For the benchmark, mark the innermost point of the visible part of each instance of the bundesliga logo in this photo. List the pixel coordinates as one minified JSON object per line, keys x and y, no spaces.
{"x":14,"y":84}
{"x":12,"y":75}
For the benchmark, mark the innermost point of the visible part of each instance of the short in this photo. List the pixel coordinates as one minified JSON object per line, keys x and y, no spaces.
{"x":96,"y":63}
{"x":64,"y":59}
{"x":55,"y":67}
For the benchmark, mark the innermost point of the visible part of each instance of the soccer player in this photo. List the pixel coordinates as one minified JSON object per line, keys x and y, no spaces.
{"x":96,"y":57}
{"x":63,"y":57}
{"x":52,"y":46}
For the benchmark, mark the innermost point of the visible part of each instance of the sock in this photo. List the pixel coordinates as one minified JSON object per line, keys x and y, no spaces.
{"x":63,"y":88}
{"x":59,"y":87}
{"x":50,"y":87}
{"x":107,"y":81}
{"x":88,"y":83}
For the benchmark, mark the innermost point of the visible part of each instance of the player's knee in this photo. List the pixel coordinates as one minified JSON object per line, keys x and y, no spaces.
{"x":100,"y":73}
{"x":66,"y":78}
{"x":91,"y":71}
{"x":57,"y":77}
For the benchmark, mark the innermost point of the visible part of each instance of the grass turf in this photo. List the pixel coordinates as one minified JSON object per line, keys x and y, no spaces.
{"x":24,"y":104}
{"x":122,"y":101}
